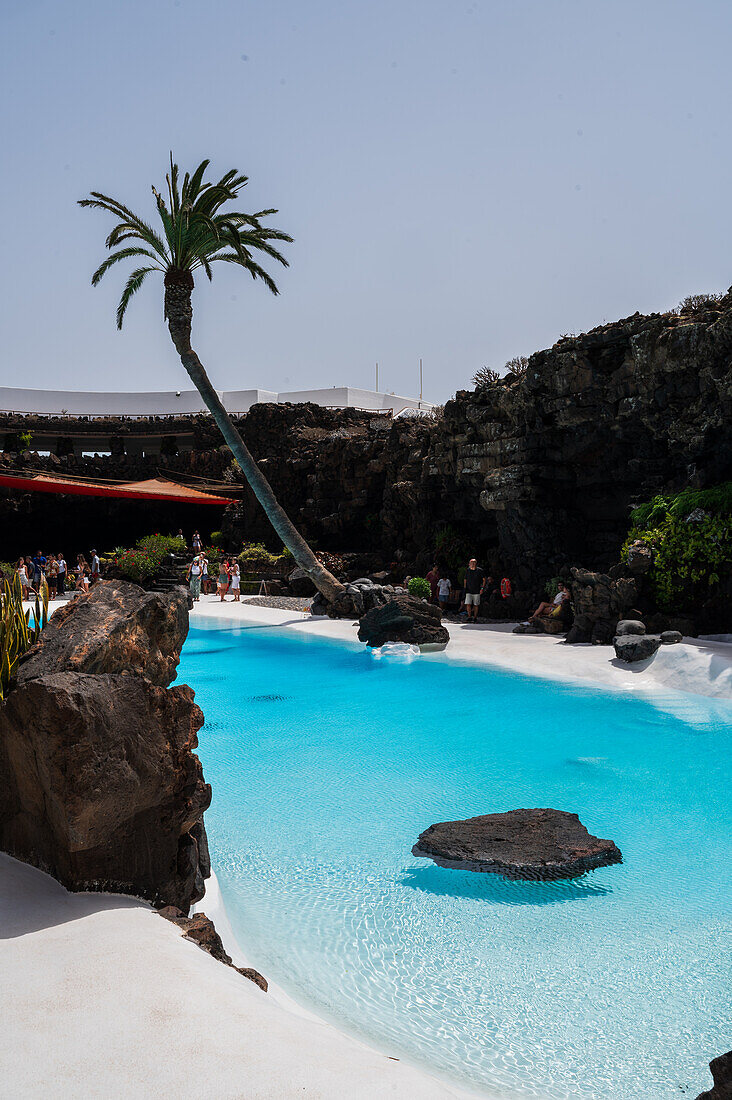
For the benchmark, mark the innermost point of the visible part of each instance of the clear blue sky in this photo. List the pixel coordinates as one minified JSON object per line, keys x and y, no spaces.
{"x":465,"y":180}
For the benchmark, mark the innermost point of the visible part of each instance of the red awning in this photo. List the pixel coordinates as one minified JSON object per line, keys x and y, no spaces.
{"x":154,"y":488}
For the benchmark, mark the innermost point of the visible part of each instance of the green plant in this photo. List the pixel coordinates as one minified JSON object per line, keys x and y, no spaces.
{"x":16,"y":633}
{"x":24,"y":440}
{"x":420,"y":587}
{"x":552,"y":587}
{"x":691,"y":538}
{"x":217,"y":537}
{"x":256,"y":553}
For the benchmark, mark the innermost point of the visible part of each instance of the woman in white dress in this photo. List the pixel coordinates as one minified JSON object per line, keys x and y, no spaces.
{"x":235,"y":578}
{"x":23,"y":578}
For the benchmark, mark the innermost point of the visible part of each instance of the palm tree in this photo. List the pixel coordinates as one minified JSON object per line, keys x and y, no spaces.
{"x":195,"y":234}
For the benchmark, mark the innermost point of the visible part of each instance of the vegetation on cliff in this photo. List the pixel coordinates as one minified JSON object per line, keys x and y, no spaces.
{"x":690,"y":535}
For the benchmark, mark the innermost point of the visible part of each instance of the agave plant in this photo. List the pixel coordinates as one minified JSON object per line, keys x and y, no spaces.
{"x":195,"y":233}
{"x":17,"y":634}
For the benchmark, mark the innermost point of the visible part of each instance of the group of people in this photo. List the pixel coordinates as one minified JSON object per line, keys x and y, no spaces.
{"x":199,"y":579}
{"x":54,"y":569}
{"x":476,"y":585}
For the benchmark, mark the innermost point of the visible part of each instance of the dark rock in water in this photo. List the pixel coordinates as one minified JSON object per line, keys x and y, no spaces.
{"x":403,"y":619}
{"x":636,"y":647}
{"x":100,"y":785}
{"x":630,"y":626}
{"x":115,"y":627}
{"x":201,"y":930}
{"x":671,"y":637}
{"x":721,"y":1069}
{"x":536,"y":844}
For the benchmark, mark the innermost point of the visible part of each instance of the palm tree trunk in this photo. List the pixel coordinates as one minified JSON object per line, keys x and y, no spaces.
{"x":179,"y":314}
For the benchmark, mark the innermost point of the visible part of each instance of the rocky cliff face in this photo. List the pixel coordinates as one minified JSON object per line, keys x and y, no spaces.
{"x":535,"y":472}
{"x":101,"y":786}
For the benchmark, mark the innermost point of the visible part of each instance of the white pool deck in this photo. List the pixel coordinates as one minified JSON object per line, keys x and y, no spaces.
{"x":103,"y":998}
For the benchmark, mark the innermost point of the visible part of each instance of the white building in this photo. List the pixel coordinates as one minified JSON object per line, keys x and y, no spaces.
{"x":188,"y":402}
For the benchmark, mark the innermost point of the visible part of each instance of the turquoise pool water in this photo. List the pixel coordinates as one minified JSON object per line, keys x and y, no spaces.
{"x":326,"y":764}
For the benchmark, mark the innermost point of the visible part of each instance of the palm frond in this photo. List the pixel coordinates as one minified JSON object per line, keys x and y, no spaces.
{"x":123,"y":254}
{"x":253,"y":268}
{"x":132,"y":285}
{"x":194,"y":231}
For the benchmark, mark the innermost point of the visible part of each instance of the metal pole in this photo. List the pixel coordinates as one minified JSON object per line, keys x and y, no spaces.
{"x":420,"y":379}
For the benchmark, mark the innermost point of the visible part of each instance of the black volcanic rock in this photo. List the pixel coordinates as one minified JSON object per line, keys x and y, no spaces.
{"x":100,"y":786}
{"x":636,"y":647}
{"x":535,"y":844}
{"x":115,"y":627}
{"x":403,"y":619}
{"x":721,"y":1069}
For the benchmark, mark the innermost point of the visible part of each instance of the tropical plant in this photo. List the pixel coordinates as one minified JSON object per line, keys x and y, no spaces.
{"x":24,"y":441}
{"x":195,"y":234}
{"x":17,"y":634}
{"x":420,"y":587}
{"x":690,"y":535}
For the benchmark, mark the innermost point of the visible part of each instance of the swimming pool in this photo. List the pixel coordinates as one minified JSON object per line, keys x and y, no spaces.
{"x":326,"y":765}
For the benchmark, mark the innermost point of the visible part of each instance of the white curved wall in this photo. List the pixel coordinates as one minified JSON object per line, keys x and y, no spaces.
{"x":188,"y":402}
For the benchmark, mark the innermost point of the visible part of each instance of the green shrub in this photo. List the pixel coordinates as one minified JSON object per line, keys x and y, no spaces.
{"x":420,"y":587}
{"x":217,"y":537}
{"x":164,"y":544}
{"x":552,"y":587}
{"x":690,"y":535}
{"x":256,"y":554}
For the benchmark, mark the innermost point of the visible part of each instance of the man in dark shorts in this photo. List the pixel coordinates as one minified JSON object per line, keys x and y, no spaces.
{"x":474,"y":582}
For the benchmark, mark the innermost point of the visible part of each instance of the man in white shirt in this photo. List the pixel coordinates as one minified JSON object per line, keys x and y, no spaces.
{"x":95,"y":571}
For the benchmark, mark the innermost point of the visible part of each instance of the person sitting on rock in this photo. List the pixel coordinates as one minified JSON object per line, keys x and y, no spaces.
{"x":554,"y":607}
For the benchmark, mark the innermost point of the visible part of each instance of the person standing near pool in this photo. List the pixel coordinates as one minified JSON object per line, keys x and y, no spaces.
{"x":474,"y":582}
{"x":443,"y":590}
{"x":96,"y":570}
{"x":39,"y":568}
{"x":234,"y":580}
{"x":223,"y":579}
{"x":194,"y":578}
{"x":61,"y":575}
{"x":432,"y":579}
